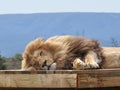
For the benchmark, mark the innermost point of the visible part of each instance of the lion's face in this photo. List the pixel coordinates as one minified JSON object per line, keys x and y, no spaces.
{"x":39,"y":55}
{"x":42,"y":59}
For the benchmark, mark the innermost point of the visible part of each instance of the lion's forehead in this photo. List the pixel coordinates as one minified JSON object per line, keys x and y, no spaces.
{"x":46,"y":54}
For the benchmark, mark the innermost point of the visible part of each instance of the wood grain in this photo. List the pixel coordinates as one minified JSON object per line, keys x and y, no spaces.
{"x":38,"y":80}
{"x":97,"y":79}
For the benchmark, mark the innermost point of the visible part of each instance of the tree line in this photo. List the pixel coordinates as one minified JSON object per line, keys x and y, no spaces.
{"x":10,"y":63}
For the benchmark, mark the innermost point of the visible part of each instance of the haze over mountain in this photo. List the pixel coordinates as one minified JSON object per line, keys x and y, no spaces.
{"x":16,"y":30}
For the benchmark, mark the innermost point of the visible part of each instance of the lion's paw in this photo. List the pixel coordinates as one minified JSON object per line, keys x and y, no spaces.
{"x":92,"y":65}
{"x":78,"y":64}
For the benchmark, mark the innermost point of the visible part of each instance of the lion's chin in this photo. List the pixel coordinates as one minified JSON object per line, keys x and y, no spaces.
{"x":53,"y":66}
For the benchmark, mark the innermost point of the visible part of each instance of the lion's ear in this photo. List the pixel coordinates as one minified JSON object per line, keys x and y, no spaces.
{"x":34,"y":45}
{"x":39,"y":40}
{"x":37,"y":43}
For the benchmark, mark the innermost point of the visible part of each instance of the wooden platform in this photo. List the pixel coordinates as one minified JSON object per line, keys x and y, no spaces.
{"x":95,"y":78}
{"x":60,"y":79}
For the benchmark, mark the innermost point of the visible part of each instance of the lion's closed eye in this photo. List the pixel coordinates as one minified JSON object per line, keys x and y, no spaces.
{"x":41,"y":53}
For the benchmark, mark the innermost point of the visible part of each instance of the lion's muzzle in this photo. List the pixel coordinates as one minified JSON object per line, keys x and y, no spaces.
{"x":50,"y":66}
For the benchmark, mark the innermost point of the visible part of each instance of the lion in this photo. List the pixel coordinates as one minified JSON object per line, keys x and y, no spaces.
{"x":61,"y":53}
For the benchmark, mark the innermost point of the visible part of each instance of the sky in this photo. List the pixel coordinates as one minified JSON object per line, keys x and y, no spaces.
{"x":45,"y":6}
{"x":58,"y":6}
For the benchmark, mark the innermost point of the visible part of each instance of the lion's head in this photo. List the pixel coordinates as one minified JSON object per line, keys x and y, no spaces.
{"x":37,"y":55}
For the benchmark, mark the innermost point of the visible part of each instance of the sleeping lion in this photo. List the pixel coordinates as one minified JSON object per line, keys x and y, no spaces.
{"x":62,"y":53}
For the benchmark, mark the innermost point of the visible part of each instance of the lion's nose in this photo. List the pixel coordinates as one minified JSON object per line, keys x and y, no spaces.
{"x":44,"y":63}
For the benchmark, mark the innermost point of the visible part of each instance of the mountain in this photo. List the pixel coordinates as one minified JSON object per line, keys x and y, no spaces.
{"x":16,"y":30}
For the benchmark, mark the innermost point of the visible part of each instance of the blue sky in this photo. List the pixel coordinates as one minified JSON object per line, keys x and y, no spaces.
{"x":38,"y":6}
{"x":105,"y":25}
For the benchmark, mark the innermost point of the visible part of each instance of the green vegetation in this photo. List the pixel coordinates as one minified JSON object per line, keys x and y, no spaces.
{"x":10,"y":63}
{"x":2,"y":63}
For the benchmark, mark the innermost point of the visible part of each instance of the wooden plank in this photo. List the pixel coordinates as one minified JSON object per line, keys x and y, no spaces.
{"x":60,"y":79}
{"x":38,"y":80}
{"x":99,"y":78}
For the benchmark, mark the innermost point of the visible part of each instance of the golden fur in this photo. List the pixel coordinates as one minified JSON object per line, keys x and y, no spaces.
{"x":112,"y":57}
{"x":62,"y":50}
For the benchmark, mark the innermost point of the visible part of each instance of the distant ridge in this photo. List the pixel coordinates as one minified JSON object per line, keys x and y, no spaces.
{"x":16,"y":30}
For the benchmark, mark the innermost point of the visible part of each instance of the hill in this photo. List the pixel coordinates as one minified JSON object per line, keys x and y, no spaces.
{"x":16,"y":30}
